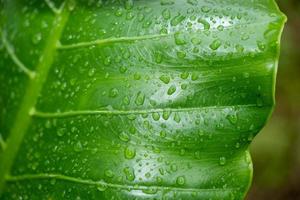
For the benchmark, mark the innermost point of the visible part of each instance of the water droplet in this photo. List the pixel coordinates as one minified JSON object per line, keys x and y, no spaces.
{"x":158,"y":57}
{"x":119,"y":12}
{"x":113,"y":92}
{"x":181,"y":54}
{"x":129,"y":16}
{"x":129,"y":173}
{"x":205,"y":9}
{"x":137,"y":76}
{"x":177,"y":20}
{"x":222,"y":161}
{"x":92,"y":72}
{"x":163,"y":133}
{"x":107,"y":61}
{"x":109,"y":173}
{"x":78,"y":147}
{"x":150,"y":191}
{"x":220,"y":27}
{"x":164,"y":31}
{"x":166,"y":14}
{"x":215,"y":44}
{"x":61,"y":132}
{"x":261,"y":46}
{"x":155,"y":116}
{"x":101,"y":187}
{"x":205,"y":23}
{"x":165,"y":79}
{"x":129,"y":4}
{"x":232,"y":118}
{"x":147,"y":175}
{"x":195,"y":76}
{"x":179,"y":38}
{"x":129,"y":153}
{"x":48,"y":124}
{"x":140,"y":99}
{"x":71,"y":5}
{"x":126,"y":101}
{"x":174,"y":168}
{"x":192,"y":2}
{"x":177,"y":118}
{"x":123,"y":69}
{"x":124,"y":137}
{"x":171,"y":90}
{"x":37,"y":38}
{"x":196,"y":41}
{"x":166,"y":114}
{"x":180,"y":180}
{"x":167,"y":2}
{"x":239,"y":48}
{"x":184,"y":75}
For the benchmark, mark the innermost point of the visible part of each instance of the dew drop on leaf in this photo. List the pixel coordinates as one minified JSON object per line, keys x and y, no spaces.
{"x":155,"y":116}
{"x":177,"y":118}
{"x":166,"y":114}
{"x":124,"y":137}
{"x":179,"y":38}
{"x":163,"y":133}
{"x":222,"y":161}
{"x":140,"y":99}
{"x":180,"y":180}
{"x":192,"y":2}
{"x":129,"y":173}
{"x":166,"y":14}
{"x":101,"y":187}
{"x":232,"y":118}
{"x":113,"y":92}
{"x":205,"y":23}
{"x":205,"y":9}
{"x":150,"y":191}
{"x":167,"y":2}
{"x":92,"y":72}
{"x":171,"y":90}
{"x":165,"y":79}
{"x":78,"y":147}
{"x":215,"y":44}
{"x":37,"y":38}
{"x":177,"y":20}
{"x":129,"y":153}
{"x":109,"y":173}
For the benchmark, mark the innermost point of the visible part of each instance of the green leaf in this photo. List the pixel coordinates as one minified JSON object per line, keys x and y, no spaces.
{"x":138,"y":99}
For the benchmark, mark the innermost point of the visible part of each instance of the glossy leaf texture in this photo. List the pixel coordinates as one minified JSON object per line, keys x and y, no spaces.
{"x":139,"y":99}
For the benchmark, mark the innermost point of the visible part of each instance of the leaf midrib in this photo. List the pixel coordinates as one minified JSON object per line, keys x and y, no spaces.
{"x":34,"y":87}
{"x":40,"y":114}
{"x":105,"y":184}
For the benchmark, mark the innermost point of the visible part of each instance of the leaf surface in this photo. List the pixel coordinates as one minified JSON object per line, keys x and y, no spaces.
{"x":134,"y":99}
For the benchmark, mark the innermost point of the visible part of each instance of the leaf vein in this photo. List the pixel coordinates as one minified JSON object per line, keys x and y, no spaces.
{"x":11,"y":52}
{"x":103,"y":184}
{"x":41,"y":114}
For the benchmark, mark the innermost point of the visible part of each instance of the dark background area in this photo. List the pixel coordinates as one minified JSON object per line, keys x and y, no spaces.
{"x":276,"y":150}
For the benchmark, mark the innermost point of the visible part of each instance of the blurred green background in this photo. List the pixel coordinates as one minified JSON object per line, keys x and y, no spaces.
{"x":276,"y":150}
